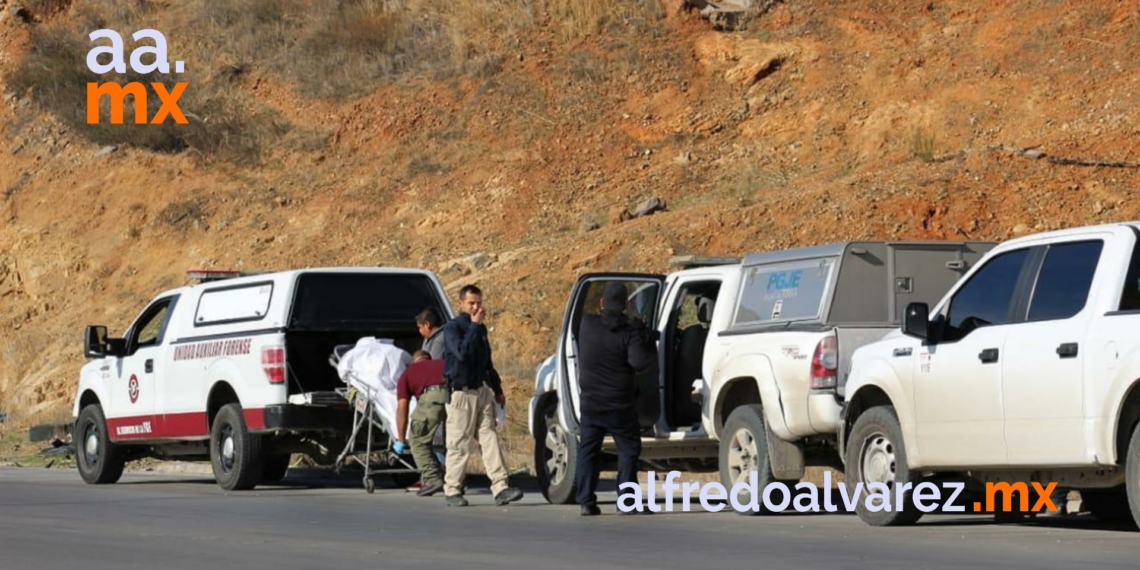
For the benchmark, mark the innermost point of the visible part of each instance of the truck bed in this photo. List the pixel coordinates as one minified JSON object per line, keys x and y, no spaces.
{"x":307,"y":355}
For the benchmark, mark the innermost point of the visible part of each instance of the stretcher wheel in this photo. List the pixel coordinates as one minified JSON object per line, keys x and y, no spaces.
{"x":369,"y":485}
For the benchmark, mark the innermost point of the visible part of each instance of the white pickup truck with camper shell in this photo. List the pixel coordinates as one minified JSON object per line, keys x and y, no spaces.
{"x":235,"y":370}
{"x":1028,"y":370}
{"x":753,"y":355}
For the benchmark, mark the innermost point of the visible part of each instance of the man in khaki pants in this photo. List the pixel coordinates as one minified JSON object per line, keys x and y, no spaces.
{"x":475,"y":388}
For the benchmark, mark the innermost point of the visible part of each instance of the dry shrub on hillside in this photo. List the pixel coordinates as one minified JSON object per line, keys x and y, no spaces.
{"x":221,"y":121}
{"x":348,"y":48}
{"x":360,"y":43}
{"x":580,"y":18}
{"x":18,"y":352}
{"x":356,"y":45}
{"x":336,"y":50}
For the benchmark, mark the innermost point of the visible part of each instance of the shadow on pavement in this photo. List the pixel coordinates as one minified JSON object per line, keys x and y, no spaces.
{"x":1071,"y":522}
{"x":316,"y":478}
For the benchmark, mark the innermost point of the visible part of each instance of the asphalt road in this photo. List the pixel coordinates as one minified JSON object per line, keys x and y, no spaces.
{"x":50,"y":519}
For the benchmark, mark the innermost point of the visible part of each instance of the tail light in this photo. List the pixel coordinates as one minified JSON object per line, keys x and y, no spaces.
{"x":273,"y":363}
{"x":825,"y":364}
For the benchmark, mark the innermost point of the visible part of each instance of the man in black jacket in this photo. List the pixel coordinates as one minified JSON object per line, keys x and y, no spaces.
{"x":475,"y":389}
{"x":612,"y":351}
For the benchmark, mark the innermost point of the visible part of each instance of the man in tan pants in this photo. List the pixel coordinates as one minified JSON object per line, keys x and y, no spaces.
{"x":475,"y":388}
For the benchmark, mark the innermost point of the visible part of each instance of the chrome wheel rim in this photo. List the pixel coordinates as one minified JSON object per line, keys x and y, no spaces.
{"x":557,"y":451}
{"x":91,"y":445}
{"x":743,"y":456}
{"x":226,"y":449}
{"x":878,"y":463}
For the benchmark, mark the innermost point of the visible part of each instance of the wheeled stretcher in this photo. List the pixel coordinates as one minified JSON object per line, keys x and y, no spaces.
{"x":370,"y":369}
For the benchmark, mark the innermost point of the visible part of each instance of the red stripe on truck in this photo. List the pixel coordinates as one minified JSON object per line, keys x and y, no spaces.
{"x":254,"y":419}
{"x":173,"y":426}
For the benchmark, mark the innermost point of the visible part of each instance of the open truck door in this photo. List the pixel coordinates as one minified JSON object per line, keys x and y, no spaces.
{"x":645,"y":292}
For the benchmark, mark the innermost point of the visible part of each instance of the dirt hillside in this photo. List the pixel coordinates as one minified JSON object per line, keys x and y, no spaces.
{"x":498,"y":143}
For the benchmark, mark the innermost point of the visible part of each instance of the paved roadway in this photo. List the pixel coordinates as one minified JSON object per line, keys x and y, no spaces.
{"x":50,"y":520}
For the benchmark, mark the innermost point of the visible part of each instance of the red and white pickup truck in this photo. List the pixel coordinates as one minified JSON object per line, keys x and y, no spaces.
{"x":236,"y":369}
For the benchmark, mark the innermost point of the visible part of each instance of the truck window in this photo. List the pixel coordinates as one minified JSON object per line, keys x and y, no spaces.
{"x":642,"y":301}
{"x":149,"y":333}
{"x":987,"y":298}
{"x":1065,"y":279}
{"x":151,"y":326}
{"x":1130,"y":295}
{"x":234,"y":304}
{"x":362,"y":301}
{"x":784,"y":292}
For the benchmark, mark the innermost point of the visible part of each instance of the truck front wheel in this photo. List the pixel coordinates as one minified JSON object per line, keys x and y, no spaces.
{"x":555,"y":457}
{"x":99,"y":460}
{"x":743,"y":450}
{"x":235,"y":454}
{"x":875,"y":454}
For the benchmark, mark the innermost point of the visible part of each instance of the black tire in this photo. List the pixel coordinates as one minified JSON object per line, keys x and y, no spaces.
{"x":243,"y":467}
{"x":877,"y":436}
{"x":558,"y":486}
{"x":1107,"y":505}
{"x":276,"y":468}
{"x":1132,"y":474}
{"x":100,"y":461}
{"x":743,"y":449}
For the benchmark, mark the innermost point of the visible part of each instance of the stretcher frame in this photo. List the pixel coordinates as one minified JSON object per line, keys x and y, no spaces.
{"x":364,"y":413}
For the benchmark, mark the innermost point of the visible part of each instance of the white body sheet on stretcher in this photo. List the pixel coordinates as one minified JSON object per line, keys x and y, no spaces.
{"x":375,"y":366}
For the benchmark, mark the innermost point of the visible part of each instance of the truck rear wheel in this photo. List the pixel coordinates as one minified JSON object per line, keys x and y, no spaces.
{"x":555,"y":457}
{"x":235,"y":454}
{"x":99,"y":460}
{"x":744,"y":449}
{"x":1106,"y":505}
{"x":875,"y":454}
{"x":1132,"y":474}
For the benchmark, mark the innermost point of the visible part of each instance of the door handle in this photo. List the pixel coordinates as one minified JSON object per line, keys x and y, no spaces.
{"x":1067,"y":350}
{"x":988,"y":355}
{"x":149,"y":365}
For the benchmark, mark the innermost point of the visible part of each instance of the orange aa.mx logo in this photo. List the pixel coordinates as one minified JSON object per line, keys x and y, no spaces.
{"x":118,"y":93}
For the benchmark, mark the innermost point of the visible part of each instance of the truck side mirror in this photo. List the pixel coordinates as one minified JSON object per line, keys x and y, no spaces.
{"x":916,"y":323}
{"x":95,"y":341}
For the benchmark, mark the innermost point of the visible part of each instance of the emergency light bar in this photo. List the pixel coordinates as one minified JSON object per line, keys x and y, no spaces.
{"x":206,"y":276}
{"x":692,"y":261}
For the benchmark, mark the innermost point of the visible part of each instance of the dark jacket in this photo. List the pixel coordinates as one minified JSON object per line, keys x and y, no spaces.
{"x":467,"y":355}
{"x":612,"y":351}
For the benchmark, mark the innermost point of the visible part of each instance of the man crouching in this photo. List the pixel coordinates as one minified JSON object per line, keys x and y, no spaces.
{"x":424,"y":380}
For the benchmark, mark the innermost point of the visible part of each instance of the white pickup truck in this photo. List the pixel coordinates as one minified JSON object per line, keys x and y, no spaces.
{"x":235,"y":370}
{"x":753,"y":355}
{"x":1028,"y":370}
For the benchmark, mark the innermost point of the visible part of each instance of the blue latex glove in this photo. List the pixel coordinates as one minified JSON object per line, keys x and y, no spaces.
{"x":400,"y":448}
